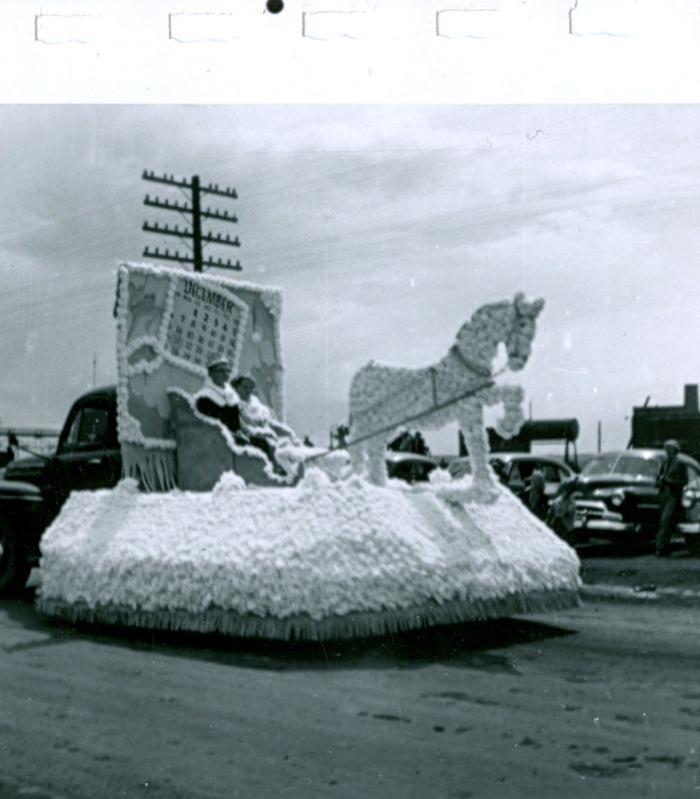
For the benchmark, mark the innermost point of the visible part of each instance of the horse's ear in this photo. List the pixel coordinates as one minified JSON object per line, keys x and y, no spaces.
{"x":538,"y":305}
{"x":519,"y":299}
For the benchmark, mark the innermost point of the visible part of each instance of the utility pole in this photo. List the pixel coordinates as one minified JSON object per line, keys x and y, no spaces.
{"x":600,"y":436}
{"x":194,"y":214}
{"x":94,"y":369}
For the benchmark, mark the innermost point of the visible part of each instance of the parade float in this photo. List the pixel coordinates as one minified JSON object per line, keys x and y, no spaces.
{"x":201,"y":534}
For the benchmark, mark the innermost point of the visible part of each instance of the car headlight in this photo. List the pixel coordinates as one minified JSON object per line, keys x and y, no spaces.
{"x":602,"y":492}
{"x":617,"y":498}
{"x":615,"y":495}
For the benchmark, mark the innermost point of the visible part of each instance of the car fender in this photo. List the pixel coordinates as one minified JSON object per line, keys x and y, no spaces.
{"x":15,"y":490}
{"x":18,"y":490}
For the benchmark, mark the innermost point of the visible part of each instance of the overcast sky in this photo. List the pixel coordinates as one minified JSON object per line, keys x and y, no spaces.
{"x":386,"y":227}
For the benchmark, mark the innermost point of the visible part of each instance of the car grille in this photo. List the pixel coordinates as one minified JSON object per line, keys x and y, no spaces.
{"x":692,"y":514}
{"x":595,"y":509}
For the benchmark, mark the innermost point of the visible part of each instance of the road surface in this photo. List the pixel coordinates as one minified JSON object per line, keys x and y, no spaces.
{"x":601,"y":701}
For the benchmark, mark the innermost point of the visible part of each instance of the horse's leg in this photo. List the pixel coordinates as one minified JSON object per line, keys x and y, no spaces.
{"x":471,"y":421}
{"x":357,"y":454}
{"x":376,"y":451}
{"x":512,"y":420}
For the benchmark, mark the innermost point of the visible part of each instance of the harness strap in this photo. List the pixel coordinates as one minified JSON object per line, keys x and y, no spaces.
{"x":479,"y":369}
{"x":433,"y":384}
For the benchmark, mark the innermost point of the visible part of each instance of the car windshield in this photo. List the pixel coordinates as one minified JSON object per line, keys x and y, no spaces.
{"x":462,"y":466}
{"x":632,"y":465}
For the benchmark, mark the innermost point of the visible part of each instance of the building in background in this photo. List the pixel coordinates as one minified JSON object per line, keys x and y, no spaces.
{"x":653,"y":424}
{"x":535,"y":430}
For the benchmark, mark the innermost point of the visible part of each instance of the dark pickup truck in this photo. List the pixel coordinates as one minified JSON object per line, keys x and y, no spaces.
{"x":33,"y":489}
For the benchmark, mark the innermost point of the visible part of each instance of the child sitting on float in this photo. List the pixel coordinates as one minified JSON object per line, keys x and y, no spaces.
{"x":257,"y":421}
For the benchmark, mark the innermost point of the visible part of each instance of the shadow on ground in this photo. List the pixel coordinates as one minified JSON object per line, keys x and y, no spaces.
{"x":468,"y":645}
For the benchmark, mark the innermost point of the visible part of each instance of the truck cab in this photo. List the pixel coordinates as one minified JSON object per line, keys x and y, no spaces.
{"x":33,"y":489}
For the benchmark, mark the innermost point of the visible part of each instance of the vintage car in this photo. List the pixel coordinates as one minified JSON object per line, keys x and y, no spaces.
{"x":617,"y":496}
{"x":409,"y":466}
{"x":515,"y":470}
{"x":33,"y":489}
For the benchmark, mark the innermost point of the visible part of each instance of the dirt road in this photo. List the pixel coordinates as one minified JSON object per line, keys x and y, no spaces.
{"x":603,"y":701}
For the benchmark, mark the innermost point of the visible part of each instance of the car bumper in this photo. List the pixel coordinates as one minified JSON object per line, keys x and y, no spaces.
{"x":689,"y":528}
{"x":607,"y":525}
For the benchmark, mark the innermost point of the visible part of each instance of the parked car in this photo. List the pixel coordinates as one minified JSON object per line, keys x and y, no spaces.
{"x":515,"y":470}
{"x":33,"y":489}
{"x":617,"y":495}
{"x":409,"y":466}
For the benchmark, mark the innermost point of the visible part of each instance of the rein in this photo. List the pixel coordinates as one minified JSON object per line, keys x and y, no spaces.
{"x":441,"y":406}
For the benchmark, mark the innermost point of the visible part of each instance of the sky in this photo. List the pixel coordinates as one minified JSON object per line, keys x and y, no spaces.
{"x":386,"y":227}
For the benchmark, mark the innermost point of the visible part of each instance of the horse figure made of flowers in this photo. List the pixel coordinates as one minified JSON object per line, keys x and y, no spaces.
{"x":383,"y":398}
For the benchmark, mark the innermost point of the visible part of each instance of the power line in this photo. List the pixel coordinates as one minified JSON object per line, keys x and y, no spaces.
{"x":195,"y":215}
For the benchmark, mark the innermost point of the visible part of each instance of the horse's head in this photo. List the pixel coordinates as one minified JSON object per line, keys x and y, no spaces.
{"x":522,"y":330}
{"x":512,"y":323}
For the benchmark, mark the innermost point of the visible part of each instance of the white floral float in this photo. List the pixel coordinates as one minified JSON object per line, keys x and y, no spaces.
{"x":324,"y":560}
{"x":335,"y":556}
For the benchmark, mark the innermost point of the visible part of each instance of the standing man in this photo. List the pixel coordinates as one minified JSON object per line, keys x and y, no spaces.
{"x":12,"y":447}
{"x":671,"y":481}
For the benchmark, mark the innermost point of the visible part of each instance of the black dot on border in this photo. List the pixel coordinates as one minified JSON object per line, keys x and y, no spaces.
{"x":274,"y":6}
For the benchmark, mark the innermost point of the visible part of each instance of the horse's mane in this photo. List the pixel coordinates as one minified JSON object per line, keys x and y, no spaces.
{"x":482,"y":311}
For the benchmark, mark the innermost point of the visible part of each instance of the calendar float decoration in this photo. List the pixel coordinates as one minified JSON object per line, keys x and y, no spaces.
{"x":170,"y":324}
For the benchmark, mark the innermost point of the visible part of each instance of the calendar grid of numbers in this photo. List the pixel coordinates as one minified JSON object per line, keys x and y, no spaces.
{"x":205,"y":323}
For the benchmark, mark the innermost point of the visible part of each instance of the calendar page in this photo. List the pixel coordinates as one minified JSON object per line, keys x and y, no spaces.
{"x":204,"y":322}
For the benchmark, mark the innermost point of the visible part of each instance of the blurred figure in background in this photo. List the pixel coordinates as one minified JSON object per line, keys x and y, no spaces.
{"x":419,"y":445}
{"x":561,"y":516}
{"x":12,"y":451}
{"x":536,"y":497}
